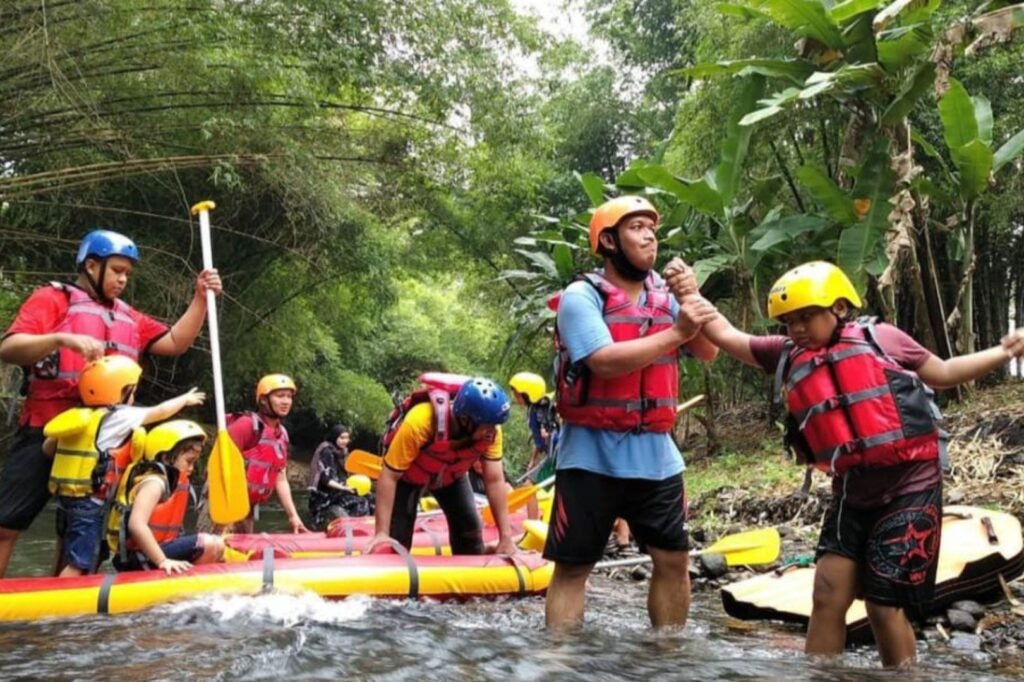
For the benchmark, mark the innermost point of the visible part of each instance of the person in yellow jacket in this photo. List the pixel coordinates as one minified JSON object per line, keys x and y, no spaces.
{"x":146,"y":528}
{"x":90,"y":447}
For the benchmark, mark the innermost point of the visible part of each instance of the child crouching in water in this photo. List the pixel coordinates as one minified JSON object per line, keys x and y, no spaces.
{"x":146,"y":528}
{"x":859,"y":406}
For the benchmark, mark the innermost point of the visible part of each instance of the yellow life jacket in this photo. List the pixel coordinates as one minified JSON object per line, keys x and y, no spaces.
{"x":79,"y":468}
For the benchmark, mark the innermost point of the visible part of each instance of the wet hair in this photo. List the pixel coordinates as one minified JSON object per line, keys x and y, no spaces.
{"x":336,"y":431}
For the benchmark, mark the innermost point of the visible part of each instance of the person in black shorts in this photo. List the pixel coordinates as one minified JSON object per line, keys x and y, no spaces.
{"x":858,"y":406}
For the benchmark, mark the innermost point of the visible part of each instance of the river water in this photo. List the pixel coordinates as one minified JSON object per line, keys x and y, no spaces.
{"x":307,"y":638}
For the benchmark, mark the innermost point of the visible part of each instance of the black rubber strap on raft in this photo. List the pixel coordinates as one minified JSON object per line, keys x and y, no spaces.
{"x":268,"y":569}
{"x":517,"y":564}
{"x":414,"y":573}
{"x":348,"y":541}
{"x":103,"y":598}
{"x":436,"y":539}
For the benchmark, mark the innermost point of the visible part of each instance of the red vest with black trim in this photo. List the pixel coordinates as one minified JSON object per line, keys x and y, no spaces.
{"x":442,"y":461}
{"x":168,"y":519}
{"x":852,"y":405}
{"x":55,"y":377}
{"x":642,"y":400}
{"x":265,"y":459}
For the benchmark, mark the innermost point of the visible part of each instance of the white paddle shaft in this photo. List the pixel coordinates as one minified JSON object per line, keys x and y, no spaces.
{"x":211,"y":316}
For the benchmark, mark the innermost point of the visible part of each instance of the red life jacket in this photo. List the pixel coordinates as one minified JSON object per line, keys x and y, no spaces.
{"x":55,"y":377}
{"x":168,"y":519}
{"x":265,"y":455}
{"x":852,"y":405}
{"x":642,"y":400}
{"x":442,"y":461}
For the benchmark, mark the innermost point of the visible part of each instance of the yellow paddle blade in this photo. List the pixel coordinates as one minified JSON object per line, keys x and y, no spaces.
{"x":750,"y":547}
{"x":535,"y":534}
{"x":229,"y":493}
{"x":516,"y":499}
{"x":232,"y":555}
{"x":363,"y":462}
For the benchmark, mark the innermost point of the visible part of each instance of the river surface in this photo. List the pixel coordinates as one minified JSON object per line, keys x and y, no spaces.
{"x":307,"y":638}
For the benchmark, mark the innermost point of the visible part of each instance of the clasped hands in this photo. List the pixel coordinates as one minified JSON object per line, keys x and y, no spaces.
{"x":694,"y":310}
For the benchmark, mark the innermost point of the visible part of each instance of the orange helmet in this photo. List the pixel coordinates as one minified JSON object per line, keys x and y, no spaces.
{"x":102,"y":382}
{"x":274,"y":382}
{"x":611,"y":212}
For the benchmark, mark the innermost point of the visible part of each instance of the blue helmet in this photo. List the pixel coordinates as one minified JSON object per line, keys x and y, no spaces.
{"x":103,"y":243}
{"x":482,"y":401}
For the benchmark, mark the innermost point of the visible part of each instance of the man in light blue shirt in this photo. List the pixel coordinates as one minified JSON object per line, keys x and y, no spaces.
{"x":620,"y":332}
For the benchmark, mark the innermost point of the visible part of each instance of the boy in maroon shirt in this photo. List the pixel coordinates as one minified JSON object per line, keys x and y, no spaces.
{"x":858,"y":408}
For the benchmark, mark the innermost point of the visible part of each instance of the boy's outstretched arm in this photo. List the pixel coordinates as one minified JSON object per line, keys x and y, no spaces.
{"x":730,"y":339}
{"x":169,"y":408}
{"x":939,"y":373}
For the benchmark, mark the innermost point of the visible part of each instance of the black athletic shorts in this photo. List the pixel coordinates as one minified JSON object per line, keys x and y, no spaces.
{"x":465,"y":528}
{"x":895,"y":546}
{"x":24,"y":483}
{"x":586,"y":506}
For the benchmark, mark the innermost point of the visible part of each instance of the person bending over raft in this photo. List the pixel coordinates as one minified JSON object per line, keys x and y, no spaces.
{"x":417,"y":461}
{"x":59,"y":328}
{"x":860,"y":408}
{"x":147,"y":526}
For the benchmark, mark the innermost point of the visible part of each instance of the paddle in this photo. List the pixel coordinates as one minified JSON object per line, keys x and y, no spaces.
{"x":363,"y":462}
{"x":517,"y":498}
{"x":229,"y":495}
{"x":749,"y":548}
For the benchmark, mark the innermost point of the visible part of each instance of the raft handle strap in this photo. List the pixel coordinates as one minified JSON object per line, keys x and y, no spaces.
{"x":410,"y":563}
{"x":517,"y":564}
{"x":103,"y":598}
{"x":993,"y":539}
{"x":268,"y":569}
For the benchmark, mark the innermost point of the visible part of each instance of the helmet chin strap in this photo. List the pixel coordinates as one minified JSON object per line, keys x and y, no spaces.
{"x":622,"y":264}
{"x":97,"y":287}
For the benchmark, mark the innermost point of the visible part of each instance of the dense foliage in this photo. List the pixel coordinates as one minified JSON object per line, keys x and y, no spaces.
{"x":401,"y":186}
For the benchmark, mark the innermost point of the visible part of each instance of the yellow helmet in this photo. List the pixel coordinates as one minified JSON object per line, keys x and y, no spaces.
{"x":274,"y":382}
{"x":614,"y":210}
{"x":164,"y":437}
{"x":529,"y":384}
{"x":102,"y":382}
{"x":359,"y":483}
{"x":812,"y":284}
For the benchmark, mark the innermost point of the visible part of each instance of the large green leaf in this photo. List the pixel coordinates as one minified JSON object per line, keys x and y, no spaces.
{"x":771,"y":106}
{"x":1009,"y":151}
{"x":737,"y":141}
{"x":796,"y":70}
{"x":983,"y":117}
{"x":786,"y":230}
{"x":541,"y":260}
{"x":699,"y":194}
{"x":909,"y":11}
{"x":563,"y":261}
{"x":848,"y":9}
{"x":847,"y":80}
{"x":974,"y":161}
{"x":806,"y":18}
{"x":706,"y":267}
{"x":860,"y":246}
{"x":899,"y":47}
{"x":959,"y":127}
{"x":593,"y":186}
{"x":913,"y":89}
{"x":828,"y":194}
